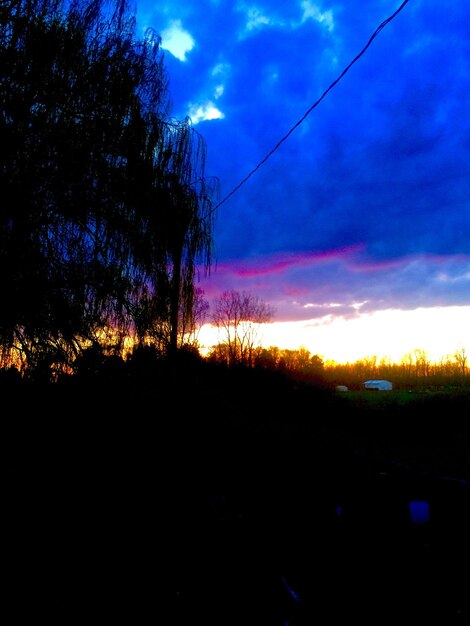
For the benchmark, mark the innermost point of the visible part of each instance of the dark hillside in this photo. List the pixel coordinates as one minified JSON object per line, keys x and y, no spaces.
{"x":234,"y":498}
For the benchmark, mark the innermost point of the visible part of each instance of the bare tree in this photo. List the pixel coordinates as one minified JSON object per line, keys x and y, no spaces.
{"x":461,"y":359}
{"x":406,"y":363}
{"x":238,"y":316}
{"x":422,"y":362}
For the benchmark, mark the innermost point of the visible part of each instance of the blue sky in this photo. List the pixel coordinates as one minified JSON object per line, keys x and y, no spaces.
{"x":366,"y":205}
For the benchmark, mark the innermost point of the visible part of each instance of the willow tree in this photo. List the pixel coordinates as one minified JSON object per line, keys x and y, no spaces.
{"x":86,"y":157}
{"x":175,"y":239}
{"x":105,"y":211}
{"x":186,"y":219}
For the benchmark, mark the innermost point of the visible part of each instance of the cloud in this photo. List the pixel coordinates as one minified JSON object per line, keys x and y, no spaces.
{"x":284,"y":15}
{"x":205,"y":111}
{"x":345,"y":282}
{"x":277,"y":263}
{"x":177,"y":40}
{"x":256,"y":19}
{"x":312,"y":11}
{"x":365,"y":205}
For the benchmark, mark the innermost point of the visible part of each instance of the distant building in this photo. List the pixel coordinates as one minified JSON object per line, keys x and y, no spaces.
{"x":377,"y":385}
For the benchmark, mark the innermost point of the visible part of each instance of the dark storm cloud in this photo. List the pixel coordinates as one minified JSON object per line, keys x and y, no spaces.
{"x":368,"y":200}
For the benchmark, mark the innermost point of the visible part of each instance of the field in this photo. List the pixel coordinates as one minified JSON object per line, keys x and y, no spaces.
{"x":274,"y":505}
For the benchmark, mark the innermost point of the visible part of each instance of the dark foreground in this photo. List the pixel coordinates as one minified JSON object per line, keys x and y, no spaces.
{"x":148,"y":520}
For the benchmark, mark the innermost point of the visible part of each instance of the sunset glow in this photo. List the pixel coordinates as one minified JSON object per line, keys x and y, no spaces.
{"x":390,"y":334}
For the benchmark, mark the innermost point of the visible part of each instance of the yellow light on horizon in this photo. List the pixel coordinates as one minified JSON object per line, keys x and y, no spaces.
{"x":389,"y":334}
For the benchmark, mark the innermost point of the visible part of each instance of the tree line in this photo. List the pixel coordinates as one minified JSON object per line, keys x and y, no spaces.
{"x":414,"y":370}
{"x":240,"y":316}
{"x":106,"y":213}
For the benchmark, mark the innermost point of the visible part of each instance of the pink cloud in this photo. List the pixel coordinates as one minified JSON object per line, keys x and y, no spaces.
{"x":277,"y":263}
{"x":359,"y":265}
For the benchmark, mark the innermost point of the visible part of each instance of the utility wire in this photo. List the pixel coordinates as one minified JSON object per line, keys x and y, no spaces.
{"x":335,"y":82}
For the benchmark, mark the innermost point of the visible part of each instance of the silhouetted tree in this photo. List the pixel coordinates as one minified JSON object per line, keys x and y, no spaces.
{"x":238,"y":315}
{"x":298,"y":364}
{"x":268,"y":358}
{"x":422,"y":362}
{"x":192,"y":319}
{"x":184,"y":224}
{"x":104,"y":205}
{"x":461,"y":359}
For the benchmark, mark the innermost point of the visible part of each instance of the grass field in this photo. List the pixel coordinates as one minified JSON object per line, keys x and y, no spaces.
{"x":241,"y":497}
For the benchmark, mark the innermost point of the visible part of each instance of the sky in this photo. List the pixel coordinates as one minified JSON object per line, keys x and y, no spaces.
{"x":342,"y":153}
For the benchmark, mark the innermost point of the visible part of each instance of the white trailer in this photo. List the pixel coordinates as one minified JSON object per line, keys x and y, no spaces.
{"x":378,"y":385}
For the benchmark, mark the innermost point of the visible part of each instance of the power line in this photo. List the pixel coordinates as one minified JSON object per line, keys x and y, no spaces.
{"x":335,"y":82}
